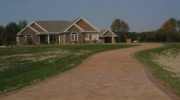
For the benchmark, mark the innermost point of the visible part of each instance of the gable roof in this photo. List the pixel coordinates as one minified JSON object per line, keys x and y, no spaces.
{"x":54,"y":26}
{"x":58,"y":26}
{"x":77,"y":20}
{"x":106,"y":31}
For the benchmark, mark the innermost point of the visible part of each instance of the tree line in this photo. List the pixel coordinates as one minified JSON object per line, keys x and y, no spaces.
{"x":9,"y":32}
{"x":168,"y":32}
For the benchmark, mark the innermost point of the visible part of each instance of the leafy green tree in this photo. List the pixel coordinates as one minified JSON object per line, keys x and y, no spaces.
{"x":170,"y":25}
{"x":120,"y":28}
{"x":119,"y":25}
{"x":169,"y":28}
{"x":10,"y":33}
{"x":160,"y":36}
{"x":1,"y":34}
{"x":178,"y":25}
{"x":22,"y":24}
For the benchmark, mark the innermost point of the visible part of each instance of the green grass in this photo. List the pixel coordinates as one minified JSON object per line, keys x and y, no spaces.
{"x":158,"y":71}
{"x":17,"y":72}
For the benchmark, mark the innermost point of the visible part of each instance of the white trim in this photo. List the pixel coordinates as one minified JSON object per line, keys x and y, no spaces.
{"x":79,"y":27}
{"x":40,"y":27}
{"x":72,"y":24}
{"x":90,"y":24}
{"x":50,"y":33}
{"x":64,"y":39}
{"x":75,"y":26}
{"x":89,"y":31}
{"x":48,"y":37}
{"x":110,"y":32}
{"x":77,"y":36}
{"x":24,"y":28}
{"x":59,"y":38}
{"x":30,"y":28}
{"x":33,"y":29}
{"x":19,"y":33}
{"x":88,"y":37}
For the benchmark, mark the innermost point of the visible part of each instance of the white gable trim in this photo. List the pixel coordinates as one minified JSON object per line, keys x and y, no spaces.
{"x":110,"y":32}
{"x":79,"y":27}
{"x":33,"y":29}
{"x":90,"y":24}
{"x":90,"y":31}
{"x":72,"y":24}
{"x":24,"y":28}
{"x":76,"y":27}
{"x":40,"y":27}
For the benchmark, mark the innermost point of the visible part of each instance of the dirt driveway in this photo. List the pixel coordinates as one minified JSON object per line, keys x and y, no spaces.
{"x":112,"y":75}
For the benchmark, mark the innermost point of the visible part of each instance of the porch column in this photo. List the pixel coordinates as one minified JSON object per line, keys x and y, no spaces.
{"x":64,"y":38}
{"x":39,"y":39}
{"x":59,"y":39}
{"x":48,"y":38}
{"x":112,"y":39}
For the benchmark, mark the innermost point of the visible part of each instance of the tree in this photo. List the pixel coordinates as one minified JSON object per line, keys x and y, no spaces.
{"x":119,"y":25}
{"x":22,"y":24}
{"x":169,"y":28}
{"x":1,"y":34}
{"x":178,"y":25}
{"x":120,"y":28}
{"x":169,"y":25}
{"x":10,"y":33}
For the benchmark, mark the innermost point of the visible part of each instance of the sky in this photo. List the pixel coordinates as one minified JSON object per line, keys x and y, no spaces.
{"x":140,"y":15}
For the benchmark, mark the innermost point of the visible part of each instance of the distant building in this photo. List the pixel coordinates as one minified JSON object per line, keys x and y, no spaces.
{"x":61,"y":32}
{"x":108,"y":36}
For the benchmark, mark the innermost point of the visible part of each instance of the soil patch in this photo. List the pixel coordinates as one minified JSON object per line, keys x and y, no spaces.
{"x":170,"y":60}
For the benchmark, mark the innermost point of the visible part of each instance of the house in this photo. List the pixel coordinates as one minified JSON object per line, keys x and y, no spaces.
{"x":108,"y":36}
{"x":50,"y":32}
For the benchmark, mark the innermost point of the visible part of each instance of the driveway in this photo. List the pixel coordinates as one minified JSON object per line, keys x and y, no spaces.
{"x":112,"y":75}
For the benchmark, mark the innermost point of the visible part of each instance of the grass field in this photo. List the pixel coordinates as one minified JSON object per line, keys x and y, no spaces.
{"x":21,"y":66}
{"x":167,"y":70}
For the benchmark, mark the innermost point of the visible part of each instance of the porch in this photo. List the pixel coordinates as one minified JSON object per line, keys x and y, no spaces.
{"x":49,"y":39}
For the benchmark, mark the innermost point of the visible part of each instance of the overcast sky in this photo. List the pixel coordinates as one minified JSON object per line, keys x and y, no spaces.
{"x":141,"y":15}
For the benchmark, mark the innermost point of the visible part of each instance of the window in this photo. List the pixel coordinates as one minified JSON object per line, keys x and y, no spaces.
{"x":88,"y":36}
{"x":29,"y":39}
{"x":74,"y":36}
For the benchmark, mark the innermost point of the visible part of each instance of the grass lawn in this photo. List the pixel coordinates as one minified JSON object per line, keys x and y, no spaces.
{"x":22,"y":66}
{"x":168,"y":78}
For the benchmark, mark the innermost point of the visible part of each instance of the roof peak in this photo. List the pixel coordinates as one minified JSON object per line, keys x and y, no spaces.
{"x":52,"y":21}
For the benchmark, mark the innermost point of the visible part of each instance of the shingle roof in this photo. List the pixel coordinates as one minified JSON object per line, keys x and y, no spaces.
{"x":54,"y":26}
{"x":104,"y":33}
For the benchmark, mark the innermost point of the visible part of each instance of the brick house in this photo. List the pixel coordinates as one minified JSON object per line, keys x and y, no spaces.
{"x":49,"y":32}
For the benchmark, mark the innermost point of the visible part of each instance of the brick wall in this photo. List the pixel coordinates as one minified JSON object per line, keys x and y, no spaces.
{"x":28,"y":31}
{"x":74,"y":30}
{"x":37,"y":28}
{"x":85,"y":26}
